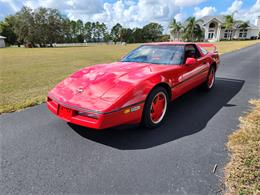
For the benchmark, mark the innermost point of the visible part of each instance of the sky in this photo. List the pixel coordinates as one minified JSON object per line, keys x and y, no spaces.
{"x":137,"y":13}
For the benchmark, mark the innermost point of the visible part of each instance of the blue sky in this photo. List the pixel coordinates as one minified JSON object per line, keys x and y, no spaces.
{"x":136,"y":13}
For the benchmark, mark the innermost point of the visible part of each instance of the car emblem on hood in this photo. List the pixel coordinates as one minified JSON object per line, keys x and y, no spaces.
{"x":80,"y":90}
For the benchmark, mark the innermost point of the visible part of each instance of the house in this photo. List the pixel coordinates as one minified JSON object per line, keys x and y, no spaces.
{"x":2,"y":41}
{"x":214,"y":30}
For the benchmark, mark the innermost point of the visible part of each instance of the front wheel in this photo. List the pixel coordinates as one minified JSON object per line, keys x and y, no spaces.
{"x":155,"y":108}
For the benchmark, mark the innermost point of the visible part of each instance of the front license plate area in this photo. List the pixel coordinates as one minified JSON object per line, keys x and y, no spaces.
{"x":65,"y":112}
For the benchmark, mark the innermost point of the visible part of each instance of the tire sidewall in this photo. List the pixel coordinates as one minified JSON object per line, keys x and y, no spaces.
{"x":146,"y":118}
{"x":206,"y":86}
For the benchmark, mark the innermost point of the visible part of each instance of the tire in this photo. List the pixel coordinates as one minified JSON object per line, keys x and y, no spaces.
{"x":155,"y":108}
{"x":210,"y":82}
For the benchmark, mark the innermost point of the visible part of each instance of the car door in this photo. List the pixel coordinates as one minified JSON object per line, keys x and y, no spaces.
{"x":195,"y":73}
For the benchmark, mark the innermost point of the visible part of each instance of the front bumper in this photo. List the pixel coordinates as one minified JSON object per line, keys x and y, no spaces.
{"x":101,"y":120}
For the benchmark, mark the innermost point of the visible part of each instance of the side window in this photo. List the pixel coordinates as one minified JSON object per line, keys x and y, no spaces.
{"x":191,"y":52}
{"x":204,"y":51}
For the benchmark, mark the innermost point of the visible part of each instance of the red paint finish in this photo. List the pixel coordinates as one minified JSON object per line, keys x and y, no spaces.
{"x":108,"y":95}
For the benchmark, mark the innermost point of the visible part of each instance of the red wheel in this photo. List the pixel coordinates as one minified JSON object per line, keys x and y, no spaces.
{"x":209,"y":84}
{"x":158,"y":108}
{"x":155,"y":108}
{"x":211,"y":78}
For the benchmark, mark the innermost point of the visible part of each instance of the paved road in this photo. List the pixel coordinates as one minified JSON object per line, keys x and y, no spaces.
{"x":41,"y":154}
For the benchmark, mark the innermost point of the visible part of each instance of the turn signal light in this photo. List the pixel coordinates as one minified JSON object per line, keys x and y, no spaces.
{"x":90,"y":115}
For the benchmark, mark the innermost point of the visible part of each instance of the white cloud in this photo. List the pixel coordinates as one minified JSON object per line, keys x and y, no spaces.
{"x":244,"y":14}
{"x":68,"y":6}
{"x":136,"y":14}
{"x":188,"y":3}
{"x":130,"y":13}
{"x":206,"y":11}
{"x":180,"y":17}
{"x":256,"y":8}
{"x":235,"y":7}
{"x":251,"y":14}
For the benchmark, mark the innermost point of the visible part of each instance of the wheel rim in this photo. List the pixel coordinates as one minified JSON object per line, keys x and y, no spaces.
{"x":158,"y":108}
{"x":211,"y":78}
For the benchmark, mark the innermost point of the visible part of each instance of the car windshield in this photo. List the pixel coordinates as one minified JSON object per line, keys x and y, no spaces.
{"x":156,"y":54}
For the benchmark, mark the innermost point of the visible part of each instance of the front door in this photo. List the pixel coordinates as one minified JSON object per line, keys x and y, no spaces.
{"x":211,"y":34}
{"x":193,"y":74}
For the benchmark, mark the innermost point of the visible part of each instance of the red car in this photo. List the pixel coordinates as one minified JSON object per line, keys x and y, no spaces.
{"x":137,"y":89}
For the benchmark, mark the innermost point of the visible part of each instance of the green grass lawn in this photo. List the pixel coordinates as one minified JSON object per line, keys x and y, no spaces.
{"x":28,"y":74}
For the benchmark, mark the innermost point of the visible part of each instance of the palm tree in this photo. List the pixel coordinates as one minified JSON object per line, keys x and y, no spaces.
{"x":198,"y":33}
{"x":192,"y":29}
{"x":175,"y":28}
{"x":243,"y":24}
{"x":242,"y":28}
{"x":229,"y":23}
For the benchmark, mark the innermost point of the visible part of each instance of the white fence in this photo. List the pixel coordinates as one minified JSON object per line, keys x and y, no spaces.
{"x":79,"y":44}
{"x":70,"y":44}
{"x":86,"y":44}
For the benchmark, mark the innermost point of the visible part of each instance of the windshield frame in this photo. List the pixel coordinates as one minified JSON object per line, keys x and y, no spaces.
{"x":166,"y":45}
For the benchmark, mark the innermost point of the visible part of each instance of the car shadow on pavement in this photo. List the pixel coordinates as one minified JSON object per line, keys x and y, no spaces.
{"x":187,"y":115}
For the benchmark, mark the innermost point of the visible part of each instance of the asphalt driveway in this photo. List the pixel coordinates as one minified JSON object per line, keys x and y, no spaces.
{"x":41,"y":154}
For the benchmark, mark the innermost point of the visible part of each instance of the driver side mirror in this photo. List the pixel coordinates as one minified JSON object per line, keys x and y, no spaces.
{"x":190,"y":61}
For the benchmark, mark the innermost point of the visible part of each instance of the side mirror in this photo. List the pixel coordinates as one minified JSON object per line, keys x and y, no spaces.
{"x":190,"y":61}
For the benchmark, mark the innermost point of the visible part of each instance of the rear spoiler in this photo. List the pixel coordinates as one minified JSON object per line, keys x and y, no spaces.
{"x":209,"y":47}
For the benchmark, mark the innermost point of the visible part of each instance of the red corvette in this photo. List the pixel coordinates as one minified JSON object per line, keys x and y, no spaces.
{"x":136,"y":89}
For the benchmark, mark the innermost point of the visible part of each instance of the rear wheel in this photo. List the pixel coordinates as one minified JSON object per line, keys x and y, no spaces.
{"x":155,"y":108}
{"x":210,"y":82}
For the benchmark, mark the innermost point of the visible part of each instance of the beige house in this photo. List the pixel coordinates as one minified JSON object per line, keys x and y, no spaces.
{"x":214,"y":30}
{"x":2,"y":41}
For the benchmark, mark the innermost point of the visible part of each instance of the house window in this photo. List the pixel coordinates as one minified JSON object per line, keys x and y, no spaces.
{"x":228,"y":34}
{"x":211,"y":34}
{"x":243,"y":33}
{"x":212,"y":25}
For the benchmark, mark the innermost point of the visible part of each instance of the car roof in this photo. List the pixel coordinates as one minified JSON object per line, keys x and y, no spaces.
{"x":168,"y":43}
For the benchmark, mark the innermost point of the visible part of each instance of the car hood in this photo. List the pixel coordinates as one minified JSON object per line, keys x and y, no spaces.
{"x":98,"y":87}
